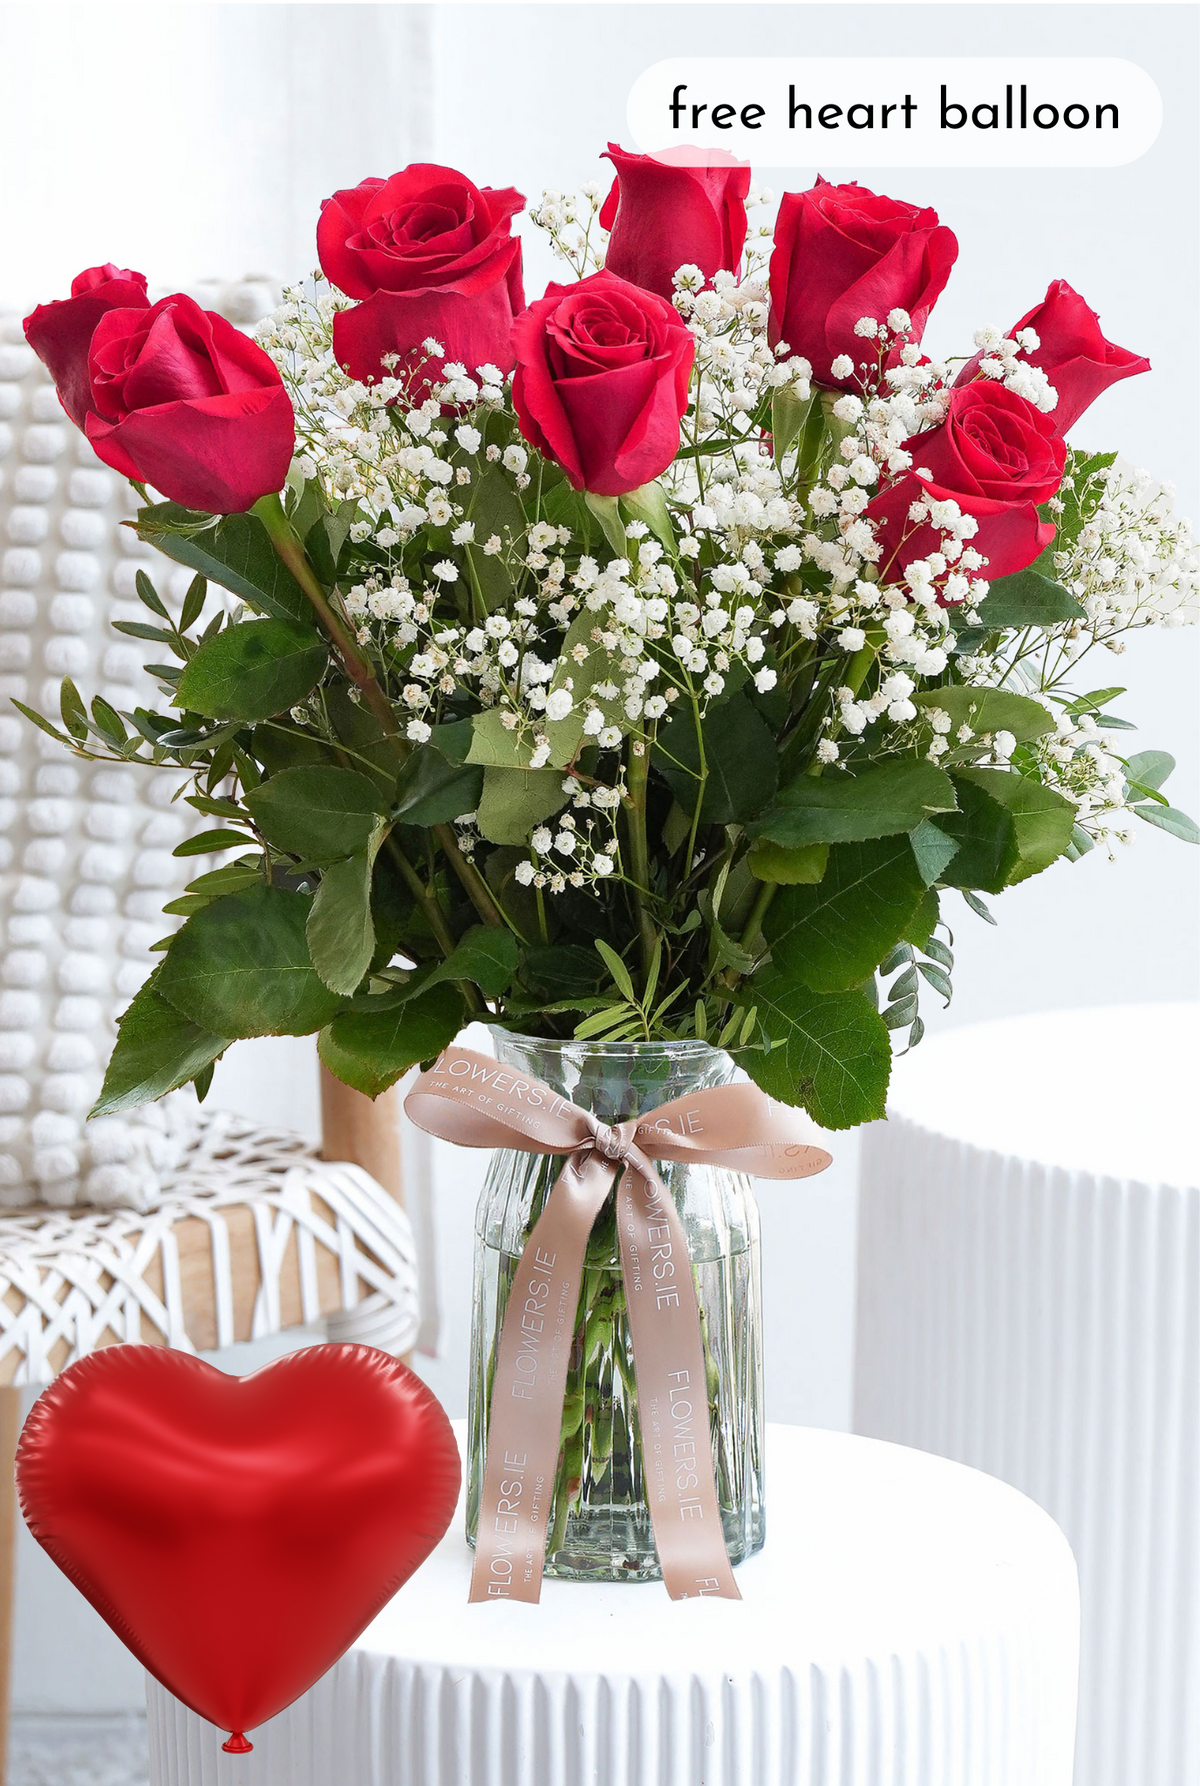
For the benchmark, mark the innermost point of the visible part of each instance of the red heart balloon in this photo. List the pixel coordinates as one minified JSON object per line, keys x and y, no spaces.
{"x":238,"y":1533}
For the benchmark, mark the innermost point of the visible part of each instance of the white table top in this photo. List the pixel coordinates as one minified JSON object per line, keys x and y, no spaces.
{"x":873,"y":1550}
{"x":1111,"y":1090}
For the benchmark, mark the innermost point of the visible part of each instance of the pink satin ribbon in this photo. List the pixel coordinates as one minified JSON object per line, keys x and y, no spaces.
{"x":473,"y":1100}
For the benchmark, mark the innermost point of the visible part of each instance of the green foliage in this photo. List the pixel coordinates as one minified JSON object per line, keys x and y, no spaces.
{"x":837,"y":931}
{"x":1027,"y":598}
{"x":158,"y":1049}
{"x":433,"y":789}
{"x":241,"y":967}
{"x":513,"y":801}
{"x":235,"y":552}
{"x":932,"y":850}
{"x":989,"y":710}
{"x":253,"y":671}
{"x":319,"y":814}
{"x":340,"y":930}
{"x":740,"y":765}
{"x":839,"y":808}
{"x":830,"y":1050}
{"x":1008,"y":827}
{"x":372,"y":1046}
{"x":787,"y":867}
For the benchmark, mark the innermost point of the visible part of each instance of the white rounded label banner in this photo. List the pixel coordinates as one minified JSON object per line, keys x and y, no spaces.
{"x":895,"y":111}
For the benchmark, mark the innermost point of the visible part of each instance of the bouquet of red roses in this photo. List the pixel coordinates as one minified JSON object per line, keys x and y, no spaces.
{"x":656,"y":659}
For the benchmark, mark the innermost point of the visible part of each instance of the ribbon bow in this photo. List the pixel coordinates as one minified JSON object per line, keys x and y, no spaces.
{"x":472,"y":1099}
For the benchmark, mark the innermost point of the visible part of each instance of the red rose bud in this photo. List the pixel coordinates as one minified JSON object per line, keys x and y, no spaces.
{"x":61,"y":333}
{"x":1072,"y":352}
{"x":602,"y":381}
{"x":842,"y":253}
{"x":665,"y":213}
{"x":429,"y":254}
{"x":997,"y":457}
{"x":182,"y":400}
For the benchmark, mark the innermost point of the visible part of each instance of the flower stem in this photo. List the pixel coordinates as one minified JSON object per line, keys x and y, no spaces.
{"x":291,"y":553}
{"x":639,"y":852}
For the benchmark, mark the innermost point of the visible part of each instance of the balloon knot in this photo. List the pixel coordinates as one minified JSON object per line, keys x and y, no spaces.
{"x":237,"y":1744}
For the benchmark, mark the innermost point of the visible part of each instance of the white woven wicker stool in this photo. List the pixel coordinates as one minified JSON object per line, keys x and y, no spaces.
{"x":1029,"y":1303}
{"x":909,"y":1623}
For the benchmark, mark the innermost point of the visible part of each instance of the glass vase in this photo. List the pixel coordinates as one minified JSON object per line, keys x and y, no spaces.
{"x":599,"y":1527}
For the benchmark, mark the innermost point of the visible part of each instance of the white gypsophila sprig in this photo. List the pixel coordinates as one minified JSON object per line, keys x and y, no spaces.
{"x":572,"y":222}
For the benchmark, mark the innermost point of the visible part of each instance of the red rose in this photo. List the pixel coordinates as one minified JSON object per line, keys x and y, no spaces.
{"x":182,"y":400}
{"x":842,"y":253}
{"x":997,"y":457}
{"x":61,"y":333}
{"x":429,"y":254}
{"x":665,"y":213}
{"x":602,"y":381}
{"x":1073,"y":353}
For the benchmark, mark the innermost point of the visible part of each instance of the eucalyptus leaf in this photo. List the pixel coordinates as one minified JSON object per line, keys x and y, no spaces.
{"x":1169,"y":818}
{"x":241,"y":967}
{"x":1149,"y":769}
{"x":252,"y":671}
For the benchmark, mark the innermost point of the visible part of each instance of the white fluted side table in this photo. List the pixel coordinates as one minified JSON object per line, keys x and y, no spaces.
{"x":909,"y":1623}
{"x":1029,"y":1303}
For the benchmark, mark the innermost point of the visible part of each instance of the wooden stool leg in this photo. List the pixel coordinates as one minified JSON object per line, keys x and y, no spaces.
{"x":10,"y":1426}
{"x":365,"y":1132}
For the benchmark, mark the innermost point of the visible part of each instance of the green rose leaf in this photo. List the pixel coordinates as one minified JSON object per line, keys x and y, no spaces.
{"x":433,"y":789}
{"x":1008,"y":827}
{"x":340,"y":928}
{"x":833,"y":1054}
{"x":371,"y":1048}
{"x":769,"y":861}
{"x":841,"y":808}
{"x":237,"y":553}
{"x":252,"y":671}
{"x":988,"y":710}
{"x":495,"y":509}
{"x":158,"y":1050}
{"x":316,"y":812}
{"x":513,"y":801}
{"x":932,"y":850}
{"x":837,"y":932}
{"x":241,"y":967}
{"x":1027,"y":598}
{"x":740,"y":758}
{"x":484,"y":954}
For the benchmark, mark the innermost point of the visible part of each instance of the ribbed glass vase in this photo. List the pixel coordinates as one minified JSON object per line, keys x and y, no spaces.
{"x":600,"y":1523}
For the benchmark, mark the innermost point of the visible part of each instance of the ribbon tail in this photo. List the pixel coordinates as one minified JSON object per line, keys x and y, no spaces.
{"x":529,"y":1387}
{"x":672,"y":1389}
